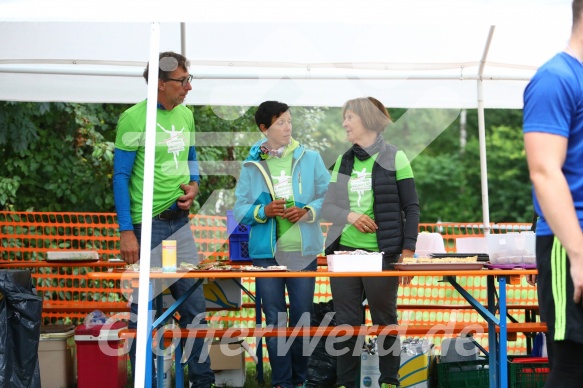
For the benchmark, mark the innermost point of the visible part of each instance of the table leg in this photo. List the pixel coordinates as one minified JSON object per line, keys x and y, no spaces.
{"x":174,"y":307}
{"x":148,"y":379}
{"x":503,"y":359}
{"x":179,"y":371}
{"x":258,"y":340}
{"x":162,"y":317}
{"x":159,"y":359}
{"x":490,"y":316}
{"x":492,"y":340}
{"x":529,"y":316}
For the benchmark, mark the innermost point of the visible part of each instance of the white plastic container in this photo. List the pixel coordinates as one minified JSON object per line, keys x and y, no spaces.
{"x":355,"y":263}
{"x":471,"y":245}
{"x":167,"y":370}
{"x":512,"y":248}
{"x":428,"y":243}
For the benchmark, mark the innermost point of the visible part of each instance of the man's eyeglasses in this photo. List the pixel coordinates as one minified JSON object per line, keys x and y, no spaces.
{"x":183,"y":81}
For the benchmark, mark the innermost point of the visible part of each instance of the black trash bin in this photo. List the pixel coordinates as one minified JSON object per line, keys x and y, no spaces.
{"x":20,"y":321}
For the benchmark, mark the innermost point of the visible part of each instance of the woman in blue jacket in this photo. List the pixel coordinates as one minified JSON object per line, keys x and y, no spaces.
{"x":279,"y":195}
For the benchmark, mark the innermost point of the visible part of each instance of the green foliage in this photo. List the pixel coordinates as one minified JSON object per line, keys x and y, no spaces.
{"x":224,"y":154}
{"x":57,"y":157}
{"x":212,"y":147}
{"x":448,"y":177}
{"x":440,"y":186}
{"x":508,"y":178}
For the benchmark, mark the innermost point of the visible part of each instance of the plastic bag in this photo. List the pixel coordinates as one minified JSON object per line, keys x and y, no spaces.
{"x":95,"y":318}
{"x":539,"y":348}
{"x":321,"y":366}
{"x":20,"y":321}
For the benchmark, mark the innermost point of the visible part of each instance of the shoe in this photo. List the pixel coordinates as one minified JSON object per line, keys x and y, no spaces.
{"x":385,"y":385}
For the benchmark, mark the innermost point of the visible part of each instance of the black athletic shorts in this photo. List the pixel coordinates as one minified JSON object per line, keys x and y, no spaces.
{"x":563,"y":317}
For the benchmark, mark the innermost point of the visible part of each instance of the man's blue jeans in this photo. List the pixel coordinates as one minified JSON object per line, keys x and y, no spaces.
{"x":288,"y":368}
{"x":199,"y":372}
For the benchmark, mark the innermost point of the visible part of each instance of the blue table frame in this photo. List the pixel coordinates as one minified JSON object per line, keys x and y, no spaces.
{"x":498,"y":368}
{"x":497,"y":345}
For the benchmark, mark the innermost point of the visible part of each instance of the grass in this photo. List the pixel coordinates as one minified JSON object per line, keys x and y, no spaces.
{"x":252,"y":382}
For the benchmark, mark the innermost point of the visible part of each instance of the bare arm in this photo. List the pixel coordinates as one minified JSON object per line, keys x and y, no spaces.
{"x":546,"y":154}
{"x":129,"y":247}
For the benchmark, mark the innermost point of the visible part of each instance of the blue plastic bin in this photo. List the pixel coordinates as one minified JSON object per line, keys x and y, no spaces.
{"x":235,"y":228}
{"x":239,"y":247}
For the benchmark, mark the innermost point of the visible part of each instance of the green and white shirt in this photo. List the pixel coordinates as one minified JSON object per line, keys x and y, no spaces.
{"x":174,"y":136}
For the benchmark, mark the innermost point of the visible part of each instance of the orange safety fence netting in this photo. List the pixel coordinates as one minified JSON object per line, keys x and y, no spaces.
{"x":28,"y":236}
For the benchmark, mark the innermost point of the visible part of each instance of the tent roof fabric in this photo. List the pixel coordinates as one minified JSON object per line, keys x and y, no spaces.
{"x":408,"y":54}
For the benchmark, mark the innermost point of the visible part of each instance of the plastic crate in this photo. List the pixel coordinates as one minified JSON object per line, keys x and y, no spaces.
{"x":463,"y":374}
{"x":531,"y":372}
{"x":523,"y":372}
{"x":239,"y":247}
{"x":235,"y":228}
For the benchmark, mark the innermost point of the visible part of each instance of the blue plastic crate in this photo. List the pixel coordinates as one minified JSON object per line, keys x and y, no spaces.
{"x":235,"y":228}
{"x":239,"y":247}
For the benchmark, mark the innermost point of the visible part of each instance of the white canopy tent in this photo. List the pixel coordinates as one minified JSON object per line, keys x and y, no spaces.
{"x":407,"y":53}
{"x":414,"y":54}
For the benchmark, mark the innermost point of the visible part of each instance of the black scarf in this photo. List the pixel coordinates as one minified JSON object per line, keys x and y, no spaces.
{"x":367,"y":152}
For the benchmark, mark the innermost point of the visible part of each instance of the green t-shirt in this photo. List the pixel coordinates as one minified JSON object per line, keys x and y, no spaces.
{"x":361,"y":198}
{"x":174,"y":136}
{"x":280,"y":169}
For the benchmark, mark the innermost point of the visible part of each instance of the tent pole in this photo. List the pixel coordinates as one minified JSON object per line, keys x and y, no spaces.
{"x":144,"y":280}
{"x":482,"y":137}
{"x":483,"y":164}
{"x":183,"y":38}
{"x":113,"y":69}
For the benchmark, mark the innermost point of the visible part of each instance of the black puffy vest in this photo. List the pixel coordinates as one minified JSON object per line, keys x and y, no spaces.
{"x":387,"y":204}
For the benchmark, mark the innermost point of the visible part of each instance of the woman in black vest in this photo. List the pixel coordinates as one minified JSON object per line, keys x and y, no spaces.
{"x":372,"y":204}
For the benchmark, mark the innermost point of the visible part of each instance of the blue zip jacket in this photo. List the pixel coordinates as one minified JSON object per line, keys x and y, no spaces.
{"x":254,"y":191}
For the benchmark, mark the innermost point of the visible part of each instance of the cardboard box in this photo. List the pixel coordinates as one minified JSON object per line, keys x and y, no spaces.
{"x":56,"y":355}
{"x":413,"y":373}
{"x":228,"y":363}
{"x":355,"y":263}
{"x":220,"y":294}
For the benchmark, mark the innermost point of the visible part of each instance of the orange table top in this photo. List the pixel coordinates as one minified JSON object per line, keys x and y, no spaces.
{"x":321,"y":272}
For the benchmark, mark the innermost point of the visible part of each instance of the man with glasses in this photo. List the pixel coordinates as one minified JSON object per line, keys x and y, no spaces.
{"x":175,"y":186}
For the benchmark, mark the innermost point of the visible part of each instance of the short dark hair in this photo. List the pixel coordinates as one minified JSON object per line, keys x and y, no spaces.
{"x":164,"y":73}
{"x":268,"y":111}
{"x":372,"y":113}
{"x":577,"y":10}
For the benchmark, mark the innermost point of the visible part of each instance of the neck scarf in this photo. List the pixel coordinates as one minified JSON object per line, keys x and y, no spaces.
{"x":275,"y":153}
{"x":367,"y":152}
